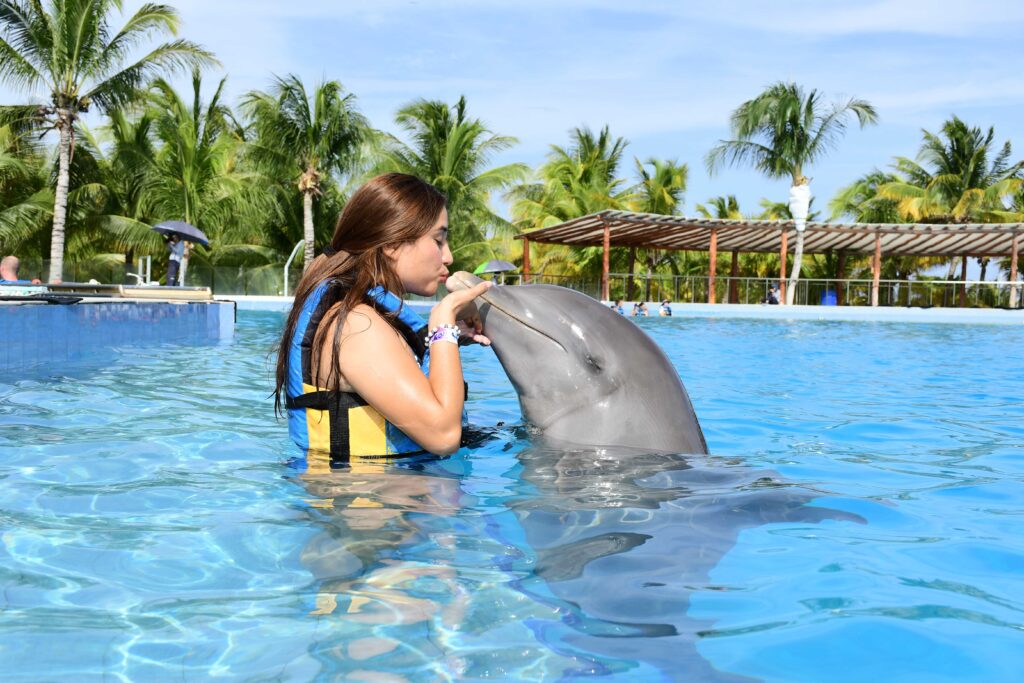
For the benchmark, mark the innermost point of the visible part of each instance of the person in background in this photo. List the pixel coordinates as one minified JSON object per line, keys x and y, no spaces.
{"x":642,"y":311}
{"x":9,"y":272}
{"x":636,"y":309}
{"x":772,"y":297}
{"x":176,"y":245}
{"x":666,"y":309}
{"x":617,"y":307}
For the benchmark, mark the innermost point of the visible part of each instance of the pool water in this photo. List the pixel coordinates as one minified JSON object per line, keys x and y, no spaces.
{"x":859,"y":519}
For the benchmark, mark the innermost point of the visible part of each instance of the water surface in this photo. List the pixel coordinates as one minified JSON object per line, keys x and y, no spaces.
{"x":858,"y":519}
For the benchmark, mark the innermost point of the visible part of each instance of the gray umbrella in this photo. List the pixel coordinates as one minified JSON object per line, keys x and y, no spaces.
{"x":189,"y":233}
{"x":494,"y":266}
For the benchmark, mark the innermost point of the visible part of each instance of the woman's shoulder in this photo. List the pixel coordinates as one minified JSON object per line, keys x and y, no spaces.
{"x":362,"y":318}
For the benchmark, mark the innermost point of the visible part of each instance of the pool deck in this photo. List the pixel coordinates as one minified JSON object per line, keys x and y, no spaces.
{"x":961,"y":316}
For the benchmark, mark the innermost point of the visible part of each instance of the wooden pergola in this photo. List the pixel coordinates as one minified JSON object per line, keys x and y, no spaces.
{"x":653,"y":231}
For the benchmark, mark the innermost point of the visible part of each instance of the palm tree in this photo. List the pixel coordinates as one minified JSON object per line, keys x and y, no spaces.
{"x":955,"y":181}
{"x":577,"y":180}
{"x":952,"y":181}
{"x":661,"y":188}
{"x":110,"y":174}
{"x":862,"y":202}
{"x":584,"y":177}
{"x":721,"y":207}
{"x":453,"y":152}
{"x":781,"y":131}
{"x":660,"y":191}
{"x":196,"y":176}
{"x":727,"y":208}
{"x":305,"y":141}
{"x":68,"y":48}
{"x":26,"y":199}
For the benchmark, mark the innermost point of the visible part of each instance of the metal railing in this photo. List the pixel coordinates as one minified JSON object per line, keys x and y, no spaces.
{"x":810,"y":291}
{"x":270,"y":280}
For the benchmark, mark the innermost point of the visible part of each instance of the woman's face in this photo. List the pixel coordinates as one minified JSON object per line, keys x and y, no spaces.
{"x":422,"y":265}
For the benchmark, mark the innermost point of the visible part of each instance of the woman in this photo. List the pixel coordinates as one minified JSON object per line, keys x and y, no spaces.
{"x":359,"y":373}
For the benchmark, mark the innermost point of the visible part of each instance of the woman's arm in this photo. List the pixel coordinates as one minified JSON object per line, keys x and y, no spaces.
{"x":380,"y":367}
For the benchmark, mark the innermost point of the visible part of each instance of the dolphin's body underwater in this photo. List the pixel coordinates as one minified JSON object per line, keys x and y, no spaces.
{"x":584,"y":374}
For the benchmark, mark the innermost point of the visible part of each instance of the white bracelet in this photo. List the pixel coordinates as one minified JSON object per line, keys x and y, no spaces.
{"x":447,"y":332}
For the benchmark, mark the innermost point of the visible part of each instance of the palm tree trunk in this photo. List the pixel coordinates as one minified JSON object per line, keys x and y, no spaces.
{"x":650,"y":274}
{"x":307,"y":229}
{"x":734,"y":271}
{"x":629,"y":280}
{"x":60,"y":200}
{"x":794,"y":275}
{"x":799,"y":183}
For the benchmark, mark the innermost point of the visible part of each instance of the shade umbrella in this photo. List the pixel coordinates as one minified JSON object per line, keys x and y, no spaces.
{"x":493,"y":266}
{"x":189,"y":233}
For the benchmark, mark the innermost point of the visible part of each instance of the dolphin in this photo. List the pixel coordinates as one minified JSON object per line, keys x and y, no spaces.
{"x":584,"y":374}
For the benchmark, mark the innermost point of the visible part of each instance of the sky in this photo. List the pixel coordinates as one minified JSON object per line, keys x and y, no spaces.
{"x":663,"y":75}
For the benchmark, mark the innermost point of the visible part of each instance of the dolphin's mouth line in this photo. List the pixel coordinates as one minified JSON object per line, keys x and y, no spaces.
{"x":519,"y":320}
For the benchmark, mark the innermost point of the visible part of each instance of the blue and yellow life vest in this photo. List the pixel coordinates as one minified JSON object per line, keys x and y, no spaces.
{"x":339,"y":423}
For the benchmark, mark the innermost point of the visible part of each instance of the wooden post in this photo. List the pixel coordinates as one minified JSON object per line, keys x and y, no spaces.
{"x":713,"y":254}
{"x":963,"y":281}
{"x":876,"y":269}
{"x":605,"y":285}
{"x":526,"y":260}
{"x":782,"y":266}
{"x":1014,"y":251}
{"x":841,"y":274}
{"x":734,"y":271}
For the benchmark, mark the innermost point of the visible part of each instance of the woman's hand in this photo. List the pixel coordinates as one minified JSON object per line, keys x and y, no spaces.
{"x":459,"y":307}
{"x":472,"y":327}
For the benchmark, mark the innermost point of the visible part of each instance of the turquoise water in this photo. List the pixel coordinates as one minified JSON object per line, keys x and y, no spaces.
{"x":859,"y":519}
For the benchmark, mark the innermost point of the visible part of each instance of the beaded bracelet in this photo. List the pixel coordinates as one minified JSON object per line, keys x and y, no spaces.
{"x":447,"y":332}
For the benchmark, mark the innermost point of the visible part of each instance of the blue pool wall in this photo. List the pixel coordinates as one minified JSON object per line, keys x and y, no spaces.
{"x":45,"y":336}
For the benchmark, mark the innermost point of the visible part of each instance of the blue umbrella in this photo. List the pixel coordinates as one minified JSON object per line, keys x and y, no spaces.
{"x":493,"y":266}
{"x":189,"y":233}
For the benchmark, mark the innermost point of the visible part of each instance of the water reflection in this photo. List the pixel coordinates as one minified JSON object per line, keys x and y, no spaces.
{"x":583,"y":566}
{"x":387,"y":583}
{"x":623,"y":538}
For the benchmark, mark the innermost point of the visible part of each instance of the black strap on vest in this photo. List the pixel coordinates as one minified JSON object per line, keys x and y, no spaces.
{"x":325,"y":400}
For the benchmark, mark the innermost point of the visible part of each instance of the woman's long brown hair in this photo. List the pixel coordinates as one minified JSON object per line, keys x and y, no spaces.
{"x":387,"y":211}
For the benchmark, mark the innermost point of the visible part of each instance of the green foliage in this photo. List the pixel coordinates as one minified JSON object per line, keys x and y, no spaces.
{"x":662,"y":188}
{"x":197,"y":175}
{"x":26,"y":200}
{"x":721,"y":207}
{"x":954,"y":179}
{"x":305,"y":145}
{"x":575,"y":181}
{"x":67,"y":48}
{"x":454,"y":152}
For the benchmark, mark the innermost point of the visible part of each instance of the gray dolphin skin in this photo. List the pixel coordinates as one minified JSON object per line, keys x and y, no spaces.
{"x":584,"y":374}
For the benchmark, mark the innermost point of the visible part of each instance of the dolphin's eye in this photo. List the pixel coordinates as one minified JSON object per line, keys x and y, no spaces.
{"x":593,"y":362}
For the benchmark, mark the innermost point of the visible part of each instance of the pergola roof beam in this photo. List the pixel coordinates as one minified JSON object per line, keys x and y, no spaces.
{"x":627,"y":229}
